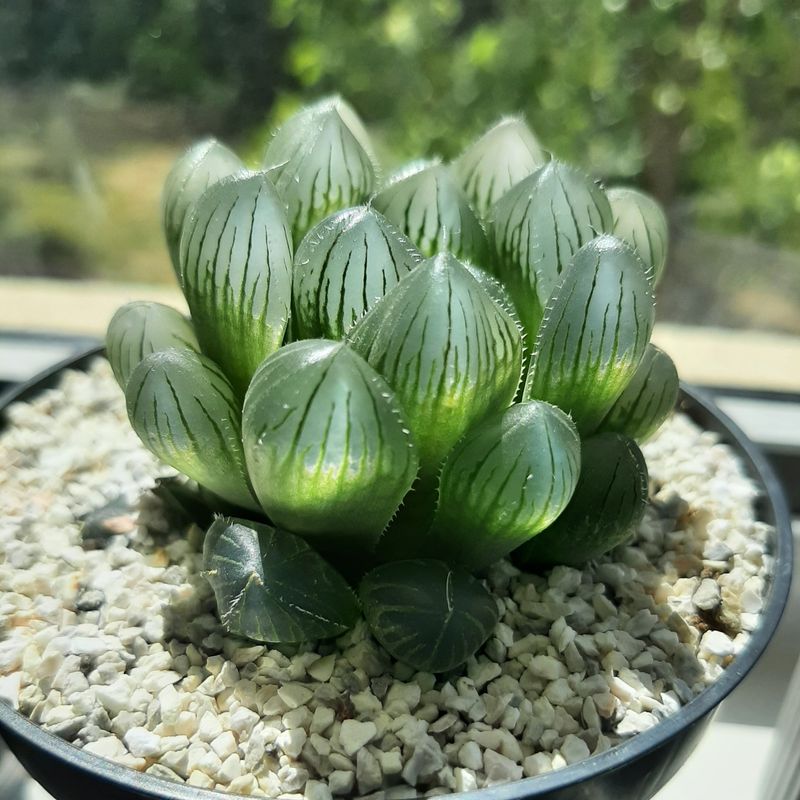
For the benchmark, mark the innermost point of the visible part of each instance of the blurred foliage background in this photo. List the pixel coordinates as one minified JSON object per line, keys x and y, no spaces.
{"x":696,"y":101}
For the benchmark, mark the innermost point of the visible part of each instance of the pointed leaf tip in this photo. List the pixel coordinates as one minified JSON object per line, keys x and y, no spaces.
{"x":271,"y":586}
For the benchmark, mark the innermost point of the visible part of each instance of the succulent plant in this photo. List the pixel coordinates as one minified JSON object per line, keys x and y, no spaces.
{"x":383,"y":389}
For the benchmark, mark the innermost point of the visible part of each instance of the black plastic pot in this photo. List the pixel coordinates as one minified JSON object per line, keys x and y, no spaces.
{"x":634,"y":770}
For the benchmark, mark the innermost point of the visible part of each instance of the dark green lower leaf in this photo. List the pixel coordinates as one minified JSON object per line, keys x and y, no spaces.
{"x":272,"y":587}
{"x":427,"y":614}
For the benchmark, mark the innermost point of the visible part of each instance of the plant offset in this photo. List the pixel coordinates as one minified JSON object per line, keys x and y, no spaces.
{"x":386,"y":387}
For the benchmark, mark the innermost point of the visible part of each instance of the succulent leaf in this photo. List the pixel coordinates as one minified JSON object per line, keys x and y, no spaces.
{"x":271,"y":586}
{"x":505,"y":481}
{"x":503,"y":156}
{"x":327,"y":451}
{"x":608,"y":503}
{"x":236,"y":266}
{"x":648,"y":399}
{"x":427,"y":204}
{"x":497,"y":292}
{"x":140,"y":328}
{"x":343,"y":267}
{"x":640,"y":221}
{"x":201,"y":166}
{"x":320,"y":161}
{"x":537,"y":226}
{"x":185,"y":411}
{"x":427,"y":614}
{"x":448,"y":350}
{"x":594,"y":334}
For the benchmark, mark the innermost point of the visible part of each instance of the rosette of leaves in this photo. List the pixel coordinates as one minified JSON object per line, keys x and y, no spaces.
{"x":503,"y":156}
{"x":320,"y":162}
{"x":202,"y":165}
{"x":348,"y":411}
{"x":536,"y":228}
{"x":343,"y":267}
{"x":426,"y":202}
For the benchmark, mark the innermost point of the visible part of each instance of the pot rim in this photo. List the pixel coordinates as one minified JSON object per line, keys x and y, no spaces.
{"x":701,"y":409}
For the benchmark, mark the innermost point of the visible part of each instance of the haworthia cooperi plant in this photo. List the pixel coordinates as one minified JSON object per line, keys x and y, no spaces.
{"x":348,"y":391}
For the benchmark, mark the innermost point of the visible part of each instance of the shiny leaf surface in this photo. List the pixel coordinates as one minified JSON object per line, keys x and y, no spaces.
{"x":640,"y":221}
{"x":648,"y":399}
{"x":503,"y":156}
{"x":426,"y":202}
{"x":537,"y":226}
{"x":426,"y":614}
{"x":236,"y":262}
{"x":320,"y":162}
{"x":185,"y":412}
{"x":272,"y":587}
{"x":140,"y":328}
{"x":608,"y":504}
{"x":450,"y":353}
{"x":203,"y":164}
{"x":327,"y":451}
{"x":343,"y":267}
{"x":505,"y":481}
{"x":594,"y":334}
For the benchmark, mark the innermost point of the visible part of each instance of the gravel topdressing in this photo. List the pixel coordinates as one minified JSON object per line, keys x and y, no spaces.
{"x":109,"y":638}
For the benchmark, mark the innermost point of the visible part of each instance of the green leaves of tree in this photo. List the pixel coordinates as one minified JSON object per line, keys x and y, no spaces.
{"x":185,"y":411}
{"x":202,"y":165}
{"x":608,"y":503}
{"x":505,"y":481}
{"x":320,"y":162}
{"x":503,"y":156}
{"x":594,"y":334}
{"x":140,"y":328}
{"x":272,"y":587}
{"x":427,"y":614}
{"x":343,"y":267}
{"x":327,"y":451}
{"x":236,"y":269}
{"x":426,"y":202}
{"x":450,"y":353}
{"x":536,"y":228}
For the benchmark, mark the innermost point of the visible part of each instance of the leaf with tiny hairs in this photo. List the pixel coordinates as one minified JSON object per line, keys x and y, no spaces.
{"x":450,"y":353}
{"x":640,"y":221}
{"x":343,"y":267}
{"x":648,"y":399}
{"x":427,"y":614}
{"x":271,"y":586}
{"x":185,"y":411}
{"x":594,"y":334}
{"x":320,"y":161}
{"x":537,"y":226}
{"x":202,"y":165}
{"x":426,"y":202}
{"x":608,"y":503}
{"x":505,"y":481}
{"x":236,"y":264}
{"x":500,"y":158}
{"x":327,"y":450}
{"x":140,"y":328}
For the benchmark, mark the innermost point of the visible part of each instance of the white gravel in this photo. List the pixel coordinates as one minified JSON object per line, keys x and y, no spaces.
{"x":112,"y":642}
